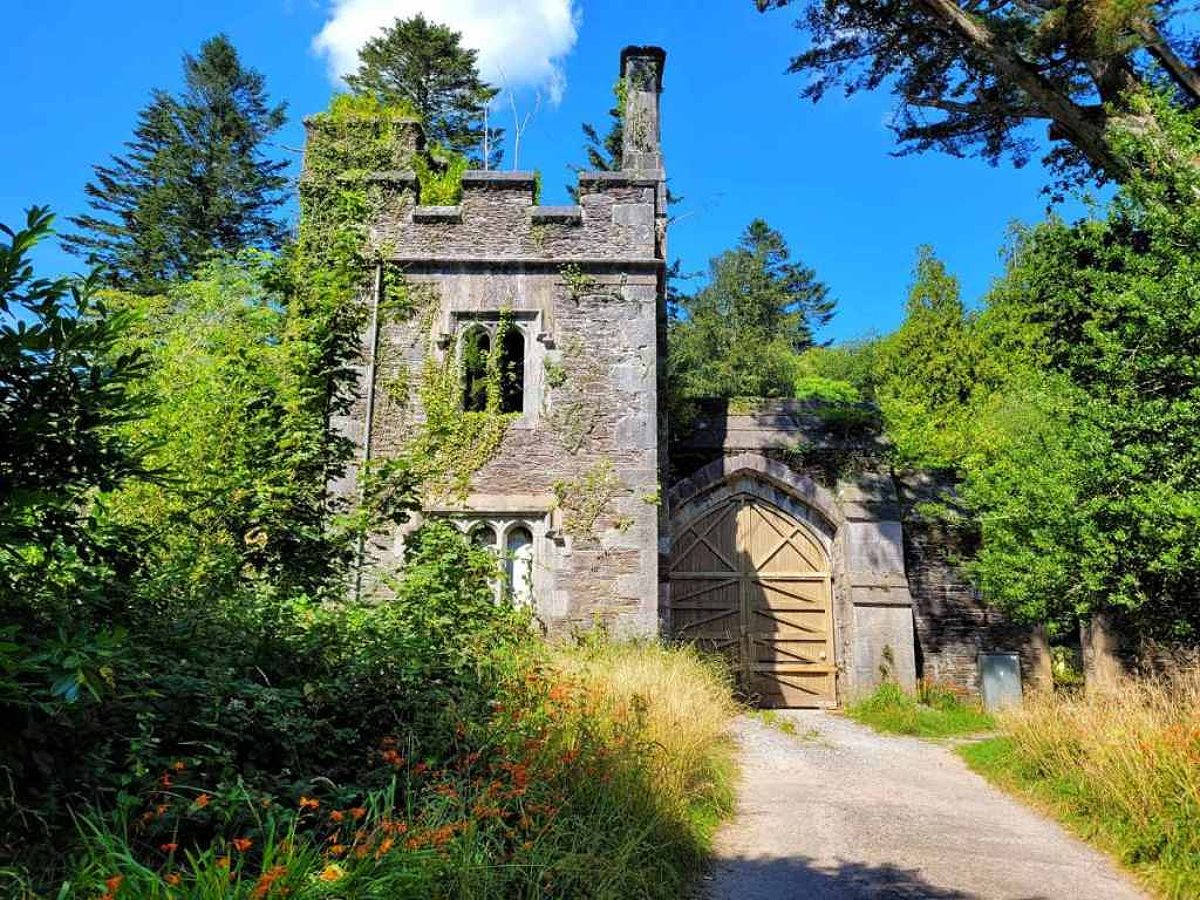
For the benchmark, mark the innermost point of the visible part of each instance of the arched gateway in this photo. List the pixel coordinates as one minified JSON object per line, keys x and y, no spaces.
{"x":752,"y":580}
{"x":751,"y":575}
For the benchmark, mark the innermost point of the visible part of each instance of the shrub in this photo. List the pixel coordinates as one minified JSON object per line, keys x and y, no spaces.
{"x":599,"y":770}
{"x":253,"y":695}
{"x":1121,"y":767}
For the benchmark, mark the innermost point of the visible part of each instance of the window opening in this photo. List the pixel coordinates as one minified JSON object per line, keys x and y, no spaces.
{"x":519,"y":564}
{"x":476,"y":347}
{"x":512,"y":371}
{"x":483,"y":535}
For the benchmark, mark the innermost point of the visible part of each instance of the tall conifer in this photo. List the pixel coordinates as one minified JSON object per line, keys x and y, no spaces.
{"x":195,"y":177}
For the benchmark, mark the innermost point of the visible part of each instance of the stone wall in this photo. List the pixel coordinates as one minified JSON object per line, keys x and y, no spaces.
{"x":791,"y":447}
{"x":953,"y":625}
{"x":900,"y":590}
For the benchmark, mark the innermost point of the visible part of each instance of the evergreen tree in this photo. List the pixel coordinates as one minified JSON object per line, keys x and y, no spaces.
{"x":971,"y":77}
{"x":424,"y":64}
{"x":195,"y":178}
{"x":739,"y":335}
{"x":604,"y":153}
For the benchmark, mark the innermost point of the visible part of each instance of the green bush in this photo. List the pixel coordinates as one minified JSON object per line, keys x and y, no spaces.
{"x":253,"y":693}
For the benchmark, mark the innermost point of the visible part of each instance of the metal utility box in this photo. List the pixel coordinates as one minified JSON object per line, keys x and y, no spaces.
{"x":1000,"y":680}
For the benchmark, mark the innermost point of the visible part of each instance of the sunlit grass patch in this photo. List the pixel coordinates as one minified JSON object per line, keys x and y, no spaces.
{"x":934,"y":711}
{"x":602,"y":770}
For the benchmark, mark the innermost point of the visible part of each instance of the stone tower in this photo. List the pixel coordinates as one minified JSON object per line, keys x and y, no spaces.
{"x":563,"y":479}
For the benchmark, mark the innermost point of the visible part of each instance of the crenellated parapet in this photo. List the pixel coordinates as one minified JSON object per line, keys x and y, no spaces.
{"x":497,"y":218}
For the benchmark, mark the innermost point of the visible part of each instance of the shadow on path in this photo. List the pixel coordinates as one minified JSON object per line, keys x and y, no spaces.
{"x":742,"y":878}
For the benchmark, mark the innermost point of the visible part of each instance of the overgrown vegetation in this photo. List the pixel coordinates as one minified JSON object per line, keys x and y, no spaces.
{"x":933,"y":711}
{"x":189,"y":703}
{"x":1065,"y":407}
{"x":591,"y":771}
{"x":1119,"y":767}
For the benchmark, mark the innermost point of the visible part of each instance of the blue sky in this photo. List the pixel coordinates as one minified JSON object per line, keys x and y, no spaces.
{"x":739,"y":142}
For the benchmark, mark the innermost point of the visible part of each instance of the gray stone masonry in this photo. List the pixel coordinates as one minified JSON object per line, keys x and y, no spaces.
{"x":582,"y":470}
{"x":583,"y":287}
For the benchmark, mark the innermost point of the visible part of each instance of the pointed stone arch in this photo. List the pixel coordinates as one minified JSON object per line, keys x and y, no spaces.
{"x":753,"y":549}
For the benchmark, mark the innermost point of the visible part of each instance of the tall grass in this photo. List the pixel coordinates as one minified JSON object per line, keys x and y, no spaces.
{"x":683,"y":703}
{"x":601,"y":772}
{"x":1120,"y":766}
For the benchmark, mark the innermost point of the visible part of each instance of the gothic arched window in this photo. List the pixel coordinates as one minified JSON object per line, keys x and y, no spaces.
{"x":476,"y":348}
{"x":518,"y":563}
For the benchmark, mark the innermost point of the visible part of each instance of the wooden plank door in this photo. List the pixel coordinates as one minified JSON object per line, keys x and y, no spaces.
{"x":749,"y":581}
{"x":790,"y":626}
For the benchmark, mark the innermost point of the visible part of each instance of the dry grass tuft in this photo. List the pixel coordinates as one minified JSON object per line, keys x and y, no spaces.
{"x":1121,"y":766}
{"x":683,"y":705}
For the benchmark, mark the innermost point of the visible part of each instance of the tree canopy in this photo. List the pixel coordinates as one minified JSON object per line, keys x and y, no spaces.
{"x":738,"y":335}
{"x":1068,"y":406}
{"x":424,"y":64}
{"x":969,"y":76}
{"x":196,"y":179}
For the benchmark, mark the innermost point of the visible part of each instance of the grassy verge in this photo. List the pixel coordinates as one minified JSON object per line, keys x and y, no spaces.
{"x":1120,"y":768}
{"x":932,"y":712}
{"x":602,"y":771}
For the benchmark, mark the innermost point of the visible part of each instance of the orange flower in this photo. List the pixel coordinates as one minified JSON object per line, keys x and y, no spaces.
{"x":179,"y":765}
{"x":358,"y":812}
{"x":337,"y":849}
{"x":161,"y":809}
{"x":169,"y":847}
{"x":336,"y":816}
{"x":203,"y":800}
{"x":309,"y":803}
{"x":384,"y":846}
{"x":332,"y":872}
{"x":173,"y":879}
{"x":113,"y":884}
{"x":223,"y":862}
{"x":241,"y":845}
{"x":263,"y":886}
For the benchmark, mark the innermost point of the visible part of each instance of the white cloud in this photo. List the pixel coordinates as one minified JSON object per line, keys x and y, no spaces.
{"x":521,"y":43}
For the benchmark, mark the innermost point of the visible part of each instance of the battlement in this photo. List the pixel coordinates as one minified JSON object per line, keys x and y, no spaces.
{"x":617,"y":218}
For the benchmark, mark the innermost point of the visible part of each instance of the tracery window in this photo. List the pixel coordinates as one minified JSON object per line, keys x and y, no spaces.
{"x":518,"y":562}
{"x":513,"y":542}
{"x":492,"y":356}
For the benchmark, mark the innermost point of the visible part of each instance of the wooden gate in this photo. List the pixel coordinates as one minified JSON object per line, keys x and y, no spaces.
{"x":750,"y":581}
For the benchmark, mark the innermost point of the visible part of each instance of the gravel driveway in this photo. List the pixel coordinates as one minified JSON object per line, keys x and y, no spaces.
{"x":838,"y":811}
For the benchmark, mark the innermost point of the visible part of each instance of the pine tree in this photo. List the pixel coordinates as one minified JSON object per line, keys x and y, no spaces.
{"x":739,"y":335}
{"x":195,"y":178}
{"x":971,"y":78}
{"x":424,"y":64}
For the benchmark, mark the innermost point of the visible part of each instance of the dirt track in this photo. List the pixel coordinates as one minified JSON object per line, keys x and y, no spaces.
{"x":838,"y":811}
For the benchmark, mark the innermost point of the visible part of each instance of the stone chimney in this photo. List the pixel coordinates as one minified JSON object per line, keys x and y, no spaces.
{"x":642,"y":73}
